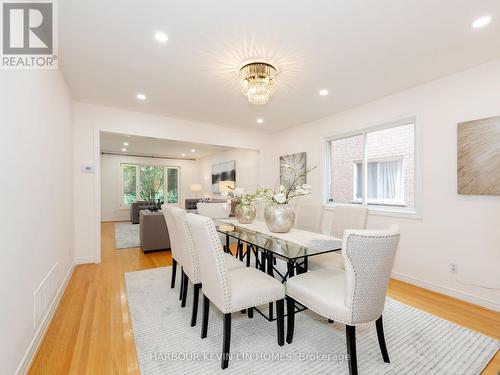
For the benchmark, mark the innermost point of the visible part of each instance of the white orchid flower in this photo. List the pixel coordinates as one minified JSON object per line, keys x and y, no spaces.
{"x":238,"y":192}
{"x":306,"y":186}
{"x":280,"y":198}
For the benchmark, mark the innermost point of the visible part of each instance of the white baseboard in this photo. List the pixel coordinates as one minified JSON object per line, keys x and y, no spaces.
{"x":84,"y":260}
{"x":484,"y":302}
{"x":42,"y":329}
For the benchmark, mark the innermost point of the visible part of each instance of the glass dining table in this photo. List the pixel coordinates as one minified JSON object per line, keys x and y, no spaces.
{"x":279,"y":255}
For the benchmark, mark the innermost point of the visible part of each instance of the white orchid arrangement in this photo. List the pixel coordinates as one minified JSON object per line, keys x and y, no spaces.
{"x":242,"y":199}
{"x":289,"y":191}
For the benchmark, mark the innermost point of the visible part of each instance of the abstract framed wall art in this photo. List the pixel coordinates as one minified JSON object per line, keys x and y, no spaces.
{"x":298,"y":163}
{"x":478,"y":157}
{"x":225,"y":171}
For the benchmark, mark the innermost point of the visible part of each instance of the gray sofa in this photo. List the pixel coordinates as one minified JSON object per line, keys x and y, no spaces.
{"x":153,"y":231}
{"x":190,"y":204}
{"x":136,"y":207}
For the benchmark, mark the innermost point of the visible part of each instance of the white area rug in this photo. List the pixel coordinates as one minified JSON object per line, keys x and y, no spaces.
{"x":418,"y":343}
{"x":127,"y":235}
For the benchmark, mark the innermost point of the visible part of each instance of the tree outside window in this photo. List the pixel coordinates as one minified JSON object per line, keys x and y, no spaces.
{"x":129,"y":184}
{"x":151,"y":183}
{"x":172,"y":185}
{"x":147,"y":183}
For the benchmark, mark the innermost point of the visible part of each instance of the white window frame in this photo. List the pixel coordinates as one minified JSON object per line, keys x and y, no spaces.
{"x":138,"y":181}
{"x":378,"y":209}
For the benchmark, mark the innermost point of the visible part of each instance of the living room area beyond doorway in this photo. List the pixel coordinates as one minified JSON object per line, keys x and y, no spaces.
{"x":139,"y":174}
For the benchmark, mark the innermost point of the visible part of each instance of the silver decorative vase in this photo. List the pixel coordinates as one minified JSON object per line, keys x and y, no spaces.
{"x":245,"y":214}
{"x":279,"y":217}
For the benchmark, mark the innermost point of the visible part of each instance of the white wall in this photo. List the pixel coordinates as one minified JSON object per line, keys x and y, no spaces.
{"x":454,"y":228}
{"x":89,"y":119}
{"x":111,"y":179}
{"x":247,"y":169}
{"x":37,"y":189}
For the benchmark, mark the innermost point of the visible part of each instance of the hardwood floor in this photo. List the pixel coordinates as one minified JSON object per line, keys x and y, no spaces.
{"x":91,"y":332}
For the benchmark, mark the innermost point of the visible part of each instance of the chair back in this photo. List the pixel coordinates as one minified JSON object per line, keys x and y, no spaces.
{"x":214,"y":210}
{"x":185,"y":243}
{"x":369,"y":257}
{"x":172,"y":232}
{"x":212,"y":267}
{"x":348,"y":216}
{"x":309,"y":217}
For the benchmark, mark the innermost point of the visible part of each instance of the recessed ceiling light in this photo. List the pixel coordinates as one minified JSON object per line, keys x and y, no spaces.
{"x":124,"y":149}
{"x":260,"y":121}
{"x":141,"y":96}
{"x":323,"y":92}
{"x":481,"y":22}
{"x":193,"y":150}
{"x":161,"y":37}
{"x":125,"y":143}
{"x":183,"y":155}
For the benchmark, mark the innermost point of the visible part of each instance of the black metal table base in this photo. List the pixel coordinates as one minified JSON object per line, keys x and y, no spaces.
{"x":271,"y":318}
{"x":265,"y":261}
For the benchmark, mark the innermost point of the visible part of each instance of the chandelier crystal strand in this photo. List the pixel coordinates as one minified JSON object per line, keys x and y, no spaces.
{"x":257,"y":82}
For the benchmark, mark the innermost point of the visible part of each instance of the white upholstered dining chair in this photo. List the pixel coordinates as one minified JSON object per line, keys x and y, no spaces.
{"x":175,"y":252}
{"x":344,"y":217}
{"x":354,"y":296}
{"x":215,"y":210}
{"x":190,"y":265}
{"x":230,"y":290}
{"x":309,"y":217}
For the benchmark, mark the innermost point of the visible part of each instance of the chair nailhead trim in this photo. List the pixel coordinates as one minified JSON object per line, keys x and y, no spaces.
{"x":221,"y":265}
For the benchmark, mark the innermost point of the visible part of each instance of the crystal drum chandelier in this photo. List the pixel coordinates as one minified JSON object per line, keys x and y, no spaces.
{"x":257,"y":81}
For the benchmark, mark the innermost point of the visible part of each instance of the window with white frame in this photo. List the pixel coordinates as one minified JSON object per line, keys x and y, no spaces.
{"x":375,"y":167}
{"x":149,"y":183}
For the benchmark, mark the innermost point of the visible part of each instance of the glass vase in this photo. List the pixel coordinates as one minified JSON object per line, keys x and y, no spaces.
{"x":245,"y":214}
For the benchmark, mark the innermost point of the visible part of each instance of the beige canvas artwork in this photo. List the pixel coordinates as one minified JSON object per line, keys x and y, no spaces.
{"x":479,"y":157}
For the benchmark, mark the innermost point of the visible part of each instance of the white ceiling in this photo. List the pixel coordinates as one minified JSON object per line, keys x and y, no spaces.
{"x":147,"y":146}
{"x":358,"y":49}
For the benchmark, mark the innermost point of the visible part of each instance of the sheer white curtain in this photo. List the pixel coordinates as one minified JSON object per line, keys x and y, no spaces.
{"x":385,"y":180}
